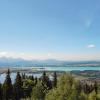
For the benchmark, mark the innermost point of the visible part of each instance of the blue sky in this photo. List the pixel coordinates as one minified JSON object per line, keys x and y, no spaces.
{"x":50,"y":29}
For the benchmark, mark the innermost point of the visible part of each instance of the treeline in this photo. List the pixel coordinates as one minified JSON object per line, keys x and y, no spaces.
{"x":64,"y":87}
{"x":24,"y":86}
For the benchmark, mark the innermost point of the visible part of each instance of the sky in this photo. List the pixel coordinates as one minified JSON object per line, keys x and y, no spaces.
{"x":50,"y":29}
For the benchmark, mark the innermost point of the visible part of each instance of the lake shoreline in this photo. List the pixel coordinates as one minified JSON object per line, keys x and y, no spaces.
{"x":79,"y":74}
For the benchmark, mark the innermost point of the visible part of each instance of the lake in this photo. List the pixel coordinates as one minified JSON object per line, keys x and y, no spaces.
{"x":13,"y":75}
{"x":71,"y":68}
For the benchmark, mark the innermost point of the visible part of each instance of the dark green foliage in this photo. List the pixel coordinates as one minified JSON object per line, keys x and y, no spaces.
{"x":18,"y":91}
{"x":55,"y":80}
{"x":46,"y":81}
{"x":23,"y":76}
{"x":87,"y":88}
{"x":38,"y":92}
{"x":27,"y":87}
{"x":96,"y":87}
{"x":31,"y":78}
{"x":44,"y":77}
{"x":7,"y":87}
{"x":78,"y":87}
{"x":18,"y":80}
{"x":35,"y":81}
{"x":1,"y":92}
{"x":64,"y":87}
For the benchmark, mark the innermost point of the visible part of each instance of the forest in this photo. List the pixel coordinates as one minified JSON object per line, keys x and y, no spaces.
{"x":64,"y":87}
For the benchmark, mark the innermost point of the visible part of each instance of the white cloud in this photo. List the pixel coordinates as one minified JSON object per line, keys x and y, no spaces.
{"x":91,"y":46}
{"x":3,"y":53}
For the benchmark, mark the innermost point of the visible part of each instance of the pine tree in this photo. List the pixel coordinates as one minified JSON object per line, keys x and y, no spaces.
{"x":23,"y":76}
{"x":32,"y":78}
{"x":44,"y":78}
{"x":35,"y":81}
{"x":18,"y":87}
{"x":96,"y":87}
{"x":55,"y":80}
{"x":7,"y":87}
{"x":46,"y":82}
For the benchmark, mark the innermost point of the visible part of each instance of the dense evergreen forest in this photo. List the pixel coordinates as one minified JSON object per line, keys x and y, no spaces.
{"x":64,"y":87}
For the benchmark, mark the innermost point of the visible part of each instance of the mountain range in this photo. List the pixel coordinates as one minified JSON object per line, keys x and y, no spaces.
{"x":8,"y":61}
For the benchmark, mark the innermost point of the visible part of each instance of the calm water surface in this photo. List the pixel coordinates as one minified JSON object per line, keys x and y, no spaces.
{"x":71,"y":68}
{"x":13,"y":75}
